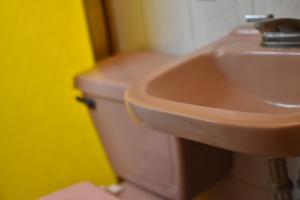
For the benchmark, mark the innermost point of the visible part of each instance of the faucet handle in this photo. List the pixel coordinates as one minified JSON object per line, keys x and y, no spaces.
{"x":282,"y":25}
{"x":257,"y":18}
{"x":283,"y":32}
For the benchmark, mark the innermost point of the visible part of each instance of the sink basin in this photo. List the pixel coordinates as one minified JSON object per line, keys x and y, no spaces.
{"x":233,"y":94}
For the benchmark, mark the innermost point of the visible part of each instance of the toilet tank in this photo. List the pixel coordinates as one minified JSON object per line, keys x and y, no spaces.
{"x":168,"y":166}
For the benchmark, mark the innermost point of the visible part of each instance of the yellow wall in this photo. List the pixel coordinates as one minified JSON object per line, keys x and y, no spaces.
{"x":46,"y":139}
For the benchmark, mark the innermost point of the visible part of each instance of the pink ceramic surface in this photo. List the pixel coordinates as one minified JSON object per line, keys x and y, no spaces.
{"x":88,"y":191}
{"x":81,"y":191}
{"x":162,"y":164}
{"x":233,"y":94}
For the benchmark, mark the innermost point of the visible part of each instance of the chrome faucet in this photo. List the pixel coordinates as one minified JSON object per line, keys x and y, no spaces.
{"x":281,"y":32}
{"x":257,"y":18}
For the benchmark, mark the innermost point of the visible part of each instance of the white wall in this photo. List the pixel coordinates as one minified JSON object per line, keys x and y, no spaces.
{"x":129,"y":24}
{"x":281,"y":8}
{"x":180,"y":26}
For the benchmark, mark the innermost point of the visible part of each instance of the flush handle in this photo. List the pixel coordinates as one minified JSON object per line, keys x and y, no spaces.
{"x":89,"y":102}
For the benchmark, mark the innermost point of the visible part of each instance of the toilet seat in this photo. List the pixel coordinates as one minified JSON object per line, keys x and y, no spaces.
{"x":88,"y":191}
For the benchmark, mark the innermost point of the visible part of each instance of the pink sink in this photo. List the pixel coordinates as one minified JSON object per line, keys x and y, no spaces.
{"x":233,"y":94}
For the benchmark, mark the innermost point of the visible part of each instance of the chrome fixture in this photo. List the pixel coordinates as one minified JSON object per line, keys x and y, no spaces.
{"x":281,"y":32}
{"x":284,"y":32}
{"x":256,"y":18}
{"x":281,"y":183}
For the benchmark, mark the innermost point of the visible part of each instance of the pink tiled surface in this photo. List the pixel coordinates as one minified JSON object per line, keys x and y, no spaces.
{"x":81,"y":191}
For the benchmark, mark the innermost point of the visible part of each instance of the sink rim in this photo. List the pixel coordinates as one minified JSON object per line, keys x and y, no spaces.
{"x":138,"y":95}
{"x":261,"y":134}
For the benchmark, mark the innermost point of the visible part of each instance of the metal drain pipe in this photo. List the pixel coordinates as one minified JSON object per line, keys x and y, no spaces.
{"x":281,"y":184}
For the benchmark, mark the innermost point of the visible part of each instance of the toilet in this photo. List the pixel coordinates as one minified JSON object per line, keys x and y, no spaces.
{"x":151,"y":165}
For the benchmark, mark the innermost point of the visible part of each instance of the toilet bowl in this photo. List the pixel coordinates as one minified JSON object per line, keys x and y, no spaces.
{"x":157,"y":164}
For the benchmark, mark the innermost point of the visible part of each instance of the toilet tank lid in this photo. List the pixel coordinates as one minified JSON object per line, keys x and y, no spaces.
{"x":112,"y":76}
